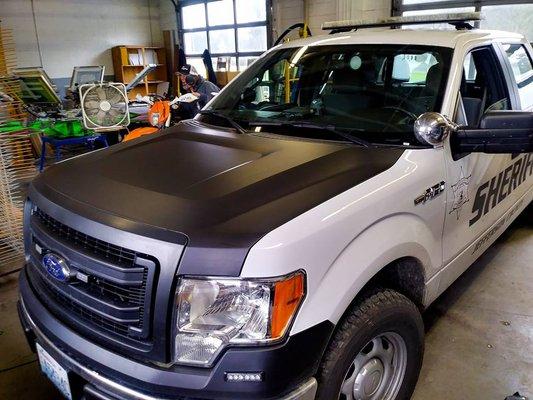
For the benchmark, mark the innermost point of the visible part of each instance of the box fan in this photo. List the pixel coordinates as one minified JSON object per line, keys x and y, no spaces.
{"x":104,"y":106}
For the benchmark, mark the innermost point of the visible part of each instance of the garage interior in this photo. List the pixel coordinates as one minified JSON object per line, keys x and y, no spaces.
{"x":479,"y":333}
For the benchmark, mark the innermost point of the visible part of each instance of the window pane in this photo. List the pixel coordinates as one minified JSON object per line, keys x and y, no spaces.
{"x":514,"y":18}
{"x":250,"y":10}
{"x":195,"y":42}
{"x":523,"y":73}
{"x":193,"y":16}
{"x":252,"y":39}
{"x":469,"y":68}
{"x":197,"y":63}
{"x":481,"y":95}
{"x":225,"y":63}
{"x":220,"y":12}
{"x":222,"y":41}
{"x":520,"y":62}
{"x":435,"y":12}
{"x":245,"y":62}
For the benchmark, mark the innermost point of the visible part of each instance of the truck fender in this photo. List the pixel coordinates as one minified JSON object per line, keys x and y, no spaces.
{"x":385,"y":241}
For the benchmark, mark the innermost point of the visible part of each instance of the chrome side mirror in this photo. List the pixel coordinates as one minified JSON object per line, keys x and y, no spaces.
{"x":432,"y":128}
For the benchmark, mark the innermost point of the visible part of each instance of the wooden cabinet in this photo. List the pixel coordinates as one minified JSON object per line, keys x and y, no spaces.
{"x":128,"y":61}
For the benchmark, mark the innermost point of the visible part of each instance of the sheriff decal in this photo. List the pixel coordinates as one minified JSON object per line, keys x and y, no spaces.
{"x":493,"y":192}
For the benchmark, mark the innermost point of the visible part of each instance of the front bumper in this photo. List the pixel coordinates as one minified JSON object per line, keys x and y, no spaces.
{"x":102,"y":374}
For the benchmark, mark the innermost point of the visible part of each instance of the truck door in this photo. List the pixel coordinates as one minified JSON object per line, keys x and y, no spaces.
{"x":480,"y":187}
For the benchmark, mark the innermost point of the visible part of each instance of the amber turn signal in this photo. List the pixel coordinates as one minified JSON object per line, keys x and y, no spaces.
{"x":288,"y":295}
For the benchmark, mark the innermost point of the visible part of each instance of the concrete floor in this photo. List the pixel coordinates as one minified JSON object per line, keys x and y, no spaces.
{"x":479,"y":342}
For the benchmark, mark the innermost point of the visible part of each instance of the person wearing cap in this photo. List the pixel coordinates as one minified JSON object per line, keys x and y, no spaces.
{"x":199,"y":87}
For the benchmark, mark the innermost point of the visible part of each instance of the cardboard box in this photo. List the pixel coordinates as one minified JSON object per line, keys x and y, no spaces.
{"x":225,"y":77}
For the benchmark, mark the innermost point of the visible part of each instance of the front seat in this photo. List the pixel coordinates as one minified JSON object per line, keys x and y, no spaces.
{"x":428,"y":96}
{"x":350,"y":91}
{"x":433,"y":80}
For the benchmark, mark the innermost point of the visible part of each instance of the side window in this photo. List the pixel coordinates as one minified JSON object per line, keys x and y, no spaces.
{"x":523,"y":72}
{"x":470,"y":69}
{"x":482,"y":87}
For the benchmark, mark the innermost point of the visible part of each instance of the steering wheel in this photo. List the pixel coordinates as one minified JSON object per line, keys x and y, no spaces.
{"x":411,"y":115}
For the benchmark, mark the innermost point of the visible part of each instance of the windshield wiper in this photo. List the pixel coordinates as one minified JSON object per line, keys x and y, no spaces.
{"x":226,"y":118}
{"x":307,"y":125}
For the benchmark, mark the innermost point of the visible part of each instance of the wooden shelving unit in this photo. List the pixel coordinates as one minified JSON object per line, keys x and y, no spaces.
{"x":125,"y":71}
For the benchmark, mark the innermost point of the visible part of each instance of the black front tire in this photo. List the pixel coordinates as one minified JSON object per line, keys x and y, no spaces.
{"x":378,"y":312}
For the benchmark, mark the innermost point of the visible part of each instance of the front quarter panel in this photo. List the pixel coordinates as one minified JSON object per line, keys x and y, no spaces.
{"x":345,"y":241}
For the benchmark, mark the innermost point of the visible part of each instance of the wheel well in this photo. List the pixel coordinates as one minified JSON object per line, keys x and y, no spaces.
{"x":405,"y":275}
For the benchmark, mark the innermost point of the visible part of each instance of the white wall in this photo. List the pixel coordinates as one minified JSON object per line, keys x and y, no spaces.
{"x":316,"y":12}
{"x":167,"y":16}
{"x":286,"y":13}
{"x":320,"y":11}
{"x":78,"y":32}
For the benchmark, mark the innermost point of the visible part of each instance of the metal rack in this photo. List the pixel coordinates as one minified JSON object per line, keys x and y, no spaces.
{"x":17,"y":160}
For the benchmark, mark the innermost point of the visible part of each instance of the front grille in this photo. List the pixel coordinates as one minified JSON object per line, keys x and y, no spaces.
{"x":115,"y":254}
{"x":62,"y":303}
{"x":109,"y":290}
{"x":130,"y":295}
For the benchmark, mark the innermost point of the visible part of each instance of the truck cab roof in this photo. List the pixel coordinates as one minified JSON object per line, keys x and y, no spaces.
{"x":430,"y":37}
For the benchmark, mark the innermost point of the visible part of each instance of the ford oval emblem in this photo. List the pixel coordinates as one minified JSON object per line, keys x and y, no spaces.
{"x":56,"y":266}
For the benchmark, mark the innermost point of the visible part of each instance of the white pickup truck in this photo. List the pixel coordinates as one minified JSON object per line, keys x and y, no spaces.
{"x":283,"y":244}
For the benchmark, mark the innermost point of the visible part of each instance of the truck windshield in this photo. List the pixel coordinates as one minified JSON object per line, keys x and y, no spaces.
{"x":372,"y":91}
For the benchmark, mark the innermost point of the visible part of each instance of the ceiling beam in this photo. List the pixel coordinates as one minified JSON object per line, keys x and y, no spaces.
{"x":399,"y":7}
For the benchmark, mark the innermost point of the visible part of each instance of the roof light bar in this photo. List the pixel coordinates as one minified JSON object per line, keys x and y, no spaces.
{"x":458,"y":19}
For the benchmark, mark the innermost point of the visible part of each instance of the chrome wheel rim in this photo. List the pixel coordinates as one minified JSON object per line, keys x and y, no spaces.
{"x":377,"y":371}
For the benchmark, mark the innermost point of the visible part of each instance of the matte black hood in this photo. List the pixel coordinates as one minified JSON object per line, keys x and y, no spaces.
{"x":217,"y":190}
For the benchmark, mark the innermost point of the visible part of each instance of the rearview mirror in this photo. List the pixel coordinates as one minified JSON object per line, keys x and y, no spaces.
{"x":499,"y":132}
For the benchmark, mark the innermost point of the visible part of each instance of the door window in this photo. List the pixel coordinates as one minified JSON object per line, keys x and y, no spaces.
{"x":482,"y":88}
{"x":523,"y":72}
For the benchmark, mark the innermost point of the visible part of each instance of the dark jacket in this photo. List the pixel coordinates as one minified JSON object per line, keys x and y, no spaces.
{"x":206,"y":90}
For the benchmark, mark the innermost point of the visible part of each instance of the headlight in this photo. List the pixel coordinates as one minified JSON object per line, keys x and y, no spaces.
{"x":214,"y":313}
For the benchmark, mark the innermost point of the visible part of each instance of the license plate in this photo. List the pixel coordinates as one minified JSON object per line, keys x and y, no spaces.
{"x":55,"y":372}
